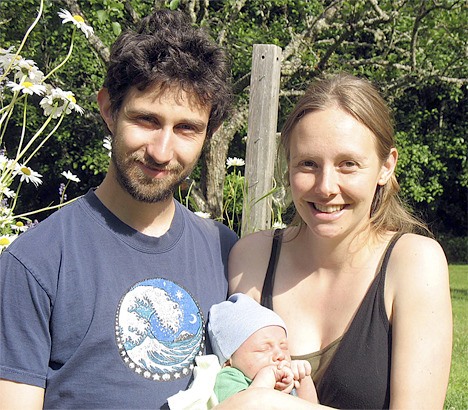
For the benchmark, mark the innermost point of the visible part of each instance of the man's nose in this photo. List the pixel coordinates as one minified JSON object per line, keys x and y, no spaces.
{"x":161,"y":146}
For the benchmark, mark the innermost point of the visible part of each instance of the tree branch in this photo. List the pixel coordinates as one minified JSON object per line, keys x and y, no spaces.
{"x":131,"y":12}
{"x":96,"y":43}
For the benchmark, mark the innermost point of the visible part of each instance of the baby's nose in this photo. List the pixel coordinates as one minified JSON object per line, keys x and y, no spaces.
{"x":278,"y":355}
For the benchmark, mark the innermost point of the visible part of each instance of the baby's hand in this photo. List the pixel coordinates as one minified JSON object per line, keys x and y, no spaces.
{"x":300,"y":370}
{"x":284,"y":377}
{"x":305,"y":388}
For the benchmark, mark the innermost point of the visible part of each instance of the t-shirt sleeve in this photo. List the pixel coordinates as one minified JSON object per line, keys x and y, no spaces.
{"x":24,"y":324}
{"x":229,"y":382}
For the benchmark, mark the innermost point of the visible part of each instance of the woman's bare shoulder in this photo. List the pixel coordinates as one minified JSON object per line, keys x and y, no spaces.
{"x":417,"y":262}
{"x":248,"y":262}
{"x":254,"y":242}
{"x":418,"y":249}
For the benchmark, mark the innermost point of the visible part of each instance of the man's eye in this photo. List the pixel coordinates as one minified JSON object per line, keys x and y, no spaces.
{"x":308,"y":164}
{"x":186,"y":127}
{"x":145,"y":119}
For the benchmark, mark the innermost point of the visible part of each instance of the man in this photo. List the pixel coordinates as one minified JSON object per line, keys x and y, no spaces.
{"x":103,"y":305}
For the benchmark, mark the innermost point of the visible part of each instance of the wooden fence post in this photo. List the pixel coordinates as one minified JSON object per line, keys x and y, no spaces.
{"x":261,"y":137}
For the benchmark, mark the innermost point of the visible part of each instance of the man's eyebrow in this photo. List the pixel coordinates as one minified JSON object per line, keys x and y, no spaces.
{"x":196,"y":123}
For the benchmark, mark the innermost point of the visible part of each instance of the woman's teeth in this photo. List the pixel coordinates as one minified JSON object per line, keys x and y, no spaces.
{"x":328,"y":209}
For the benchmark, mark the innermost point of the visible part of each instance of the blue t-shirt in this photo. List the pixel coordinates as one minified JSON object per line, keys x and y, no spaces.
{"x":104,"y":316}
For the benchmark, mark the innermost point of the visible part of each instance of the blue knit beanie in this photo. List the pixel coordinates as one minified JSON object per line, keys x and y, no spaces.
{"x":232,"y":322}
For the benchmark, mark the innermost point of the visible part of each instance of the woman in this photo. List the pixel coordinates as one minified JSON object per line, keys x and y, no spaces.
{"x":365,"y":298}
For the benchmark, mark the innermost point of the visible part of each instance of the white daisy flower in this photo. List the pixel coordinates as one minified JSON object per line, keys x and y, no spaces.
{"x":6,"y":165}
{"x":27,"y":87}
{"x":278,"y":225}
{"x":28,"y":68}
{"x":6,"y":240}
{"x":72,"y":105}
{"x":4,"y":190}
{"x":204,"y":215}
{"x":235,"y":162}
{"x":4,"y":160}
{"x":28,"y":175}
{"x":7,"y":56}
{"x":8,"y":50}
{"x":19,"y":227}
{"x":58,"y":101}
{"x":77,"y":20}
{"x":70,"y":176}
{"x":107,"y":144}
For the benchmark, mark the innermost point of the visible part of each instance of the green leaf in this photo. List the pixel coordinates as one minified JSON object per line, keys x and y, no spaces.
{"x":174,"y":4}
{"x":116,"y":28}
{"x":102,"y":15}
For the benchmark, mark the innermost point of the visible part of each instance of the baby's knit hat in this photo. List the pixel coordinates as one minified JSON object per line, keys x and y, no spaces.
{"x":232,"y":322}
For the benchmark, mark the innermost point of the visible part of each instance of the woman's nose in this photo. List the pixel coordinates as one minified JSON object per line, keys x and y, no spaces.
{"x":327,"y":182}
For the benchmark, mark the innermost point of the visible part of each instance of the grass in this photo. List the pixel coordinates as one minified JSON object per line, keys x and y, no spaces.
{"x":457,"y":394}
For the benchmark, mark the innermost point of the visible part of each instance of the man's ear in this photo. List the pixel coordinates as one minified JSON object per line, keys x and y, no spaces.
{"x":388,"y":167}
{"x":104,"y":103}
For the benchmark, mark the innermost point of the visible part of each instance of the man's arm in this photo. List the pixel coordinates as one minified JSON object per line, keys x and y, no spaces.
{"x":20,"y":396}
{"x":270,"y":399}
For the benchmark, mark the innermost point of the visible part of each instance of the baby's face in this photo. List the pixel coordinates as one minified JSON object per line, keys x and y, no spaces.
{"x":266,"y":346}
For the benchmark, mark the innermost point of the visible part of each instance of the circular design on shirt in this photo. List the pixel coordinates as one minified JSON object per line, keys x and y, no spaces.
{"x":159,"y":329}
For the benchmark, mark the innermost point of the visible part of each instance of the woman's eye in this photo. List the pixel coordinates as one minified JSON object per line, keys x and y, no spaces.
{"x":349,"y":164}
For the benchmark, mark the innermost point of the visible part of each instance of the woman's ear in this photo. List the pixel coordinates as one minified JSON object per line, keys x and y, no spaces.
{"x":104,"y":103}
{"x":388,"y":167}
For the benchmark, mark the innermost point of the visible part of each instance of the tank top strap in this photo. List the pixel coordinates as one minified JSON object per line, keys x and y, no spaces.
{"x":267,"y":290}
{"x":266,"y":298}
{"x":383,"y":267}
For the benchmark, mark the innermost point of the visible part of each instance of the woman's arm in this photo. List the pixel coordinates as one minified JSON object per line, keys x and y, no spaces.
{"x":20,"y":396}
{"x":421,"y":315}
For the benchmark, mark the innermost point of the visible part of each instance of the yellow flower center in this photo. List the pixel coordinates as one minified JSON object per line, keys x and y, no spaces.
{"x":72,"y":99}
{"x":78,"y":18}
{"x":27,"y":84}
{"x":4,"y":241}
{"x":26,"y":171}
{"x":19,"y":224}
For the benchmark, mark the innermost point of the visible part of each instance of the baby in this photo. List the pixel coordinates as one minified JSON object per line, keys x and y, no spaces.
{"x":251,"y":344}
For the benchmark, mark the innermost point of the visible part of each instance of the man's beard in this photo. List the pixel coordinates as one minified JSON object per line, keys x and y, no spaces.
{"x":143,"y":188}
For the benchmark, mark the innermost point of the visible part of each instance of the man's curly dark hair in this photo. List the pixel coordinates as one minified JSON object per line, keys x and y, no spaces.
{"x":166,"y":49}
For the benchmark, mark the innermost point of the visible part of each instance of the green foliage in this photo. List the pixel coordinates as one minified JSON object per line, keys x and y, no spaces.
{"x":233,"y":194}
{"x":414,"y":51}
{"x":455,"y":248}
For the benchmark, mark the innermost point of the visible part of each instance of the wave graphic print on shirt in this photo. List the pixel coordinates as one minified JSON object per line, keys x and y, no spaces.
{"x":159,"y":330}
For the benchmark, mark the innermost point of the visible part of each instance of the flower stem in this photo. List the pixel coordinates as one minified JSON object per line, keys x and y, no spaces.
{"x":6,"y":116}
{"x":65,"y":59}
{"x":23,"y":128}
{"x":45,"y":139}
{"x":47,"y":208}
{"x":31,"y":27}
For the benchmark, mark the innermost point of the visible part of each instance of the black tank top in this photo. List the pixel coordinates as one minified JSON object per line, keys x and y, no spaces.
{"x":358,"y":374}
